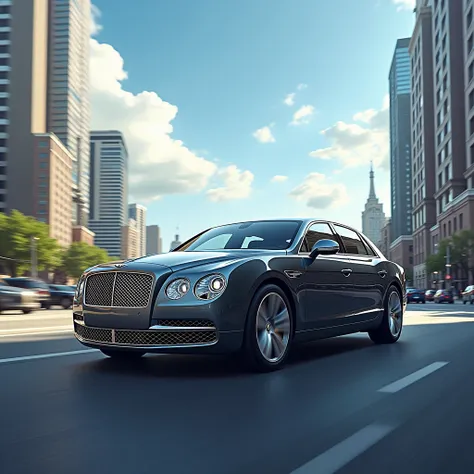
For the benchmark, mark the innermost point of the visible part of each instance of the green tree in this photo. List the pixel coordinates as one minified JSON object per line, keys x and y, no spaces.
{"x":16,"y":233}
{"x":436,"y":262}
{"x":462,"y":246}
{"x":80,"y":256}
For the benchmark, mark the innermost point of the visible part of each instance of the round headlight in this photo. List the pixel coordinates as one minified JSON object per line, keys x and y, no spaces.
{"x":177,"y":288}
{"x":210,"y":287}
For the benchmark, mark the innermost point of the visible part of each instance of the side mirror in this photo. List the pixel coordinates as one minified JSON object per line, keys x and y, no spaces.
{"x":324,"y":247}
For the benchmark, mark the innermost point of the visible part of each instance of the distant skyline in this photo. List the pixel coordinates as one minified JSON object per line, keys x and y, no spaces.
{"x":253,"y":110}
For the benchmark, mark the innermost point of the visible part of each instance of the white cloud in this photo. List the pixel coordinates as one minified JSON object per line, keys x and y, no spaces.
{"x":303,"y":115}
{"x":159,"y":164}
{"x":319,"y":193}
{"x":356,"y":144}
{"x":237,"y":185}
{"x":279,"y":178}
{"x":405,"y":4}
{"x":290,"y":99}
{"x":264,"y":135}
{"x":96,"y":27}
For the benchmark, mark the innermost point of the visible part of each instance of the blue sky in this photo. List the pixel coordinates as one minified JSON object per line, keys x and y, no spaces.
{"x":202,"y":105}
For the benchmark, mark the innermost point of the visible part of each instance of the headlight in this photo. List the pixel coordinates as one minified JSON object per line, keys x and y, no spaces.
{"x":177,"y":288}
{"x":210,"y":287}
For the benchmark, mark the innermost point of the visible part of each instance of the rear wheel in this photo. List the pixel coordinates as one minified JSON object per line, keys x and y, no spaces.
{"x":66,"y":303}
{"x":391,"y":326}
{"x":269,"y":329}
{"x":123,"y":355}
{"x":27,"y":311}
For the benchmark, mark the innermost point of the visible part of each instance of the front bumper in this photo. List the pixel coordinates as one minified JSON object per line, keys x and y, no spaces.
{"x":179,"y":339}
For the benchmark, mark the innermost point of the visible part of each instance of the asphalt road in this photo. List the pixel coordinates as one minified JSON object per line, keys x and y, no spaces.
{"x":342,"y":405}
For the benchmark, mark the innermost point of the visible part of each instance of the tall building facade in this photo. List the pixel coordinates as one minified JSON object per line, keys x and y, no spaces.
{"x":23,"y":98}
{"x":373,"y":217}
{"x":68,"y":95}
{"x":154,"y":243}
{"x":108,"y":189}
{"x":130,"y":240}
{"x":175,"y":243}
{"x":400,"y":141}
{"x":423,"y":140}
{"x":52,"y":197}
{"x":137,"y":212}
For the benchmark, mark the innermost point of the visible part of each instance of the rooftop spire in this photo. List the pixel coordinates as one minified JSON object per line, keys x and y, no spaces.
{"x":372,"y":194}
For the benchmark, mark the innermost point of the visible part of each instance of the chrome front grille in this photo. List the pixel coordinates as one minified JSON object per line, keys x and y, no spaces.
{"x":156,"y":338}
{"x":118,"y":289}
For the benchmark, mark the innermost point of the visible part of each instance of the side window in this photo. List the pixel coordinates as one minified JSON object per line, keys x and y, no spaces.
{"x":351,"y":241}
{"x":316,"y":232}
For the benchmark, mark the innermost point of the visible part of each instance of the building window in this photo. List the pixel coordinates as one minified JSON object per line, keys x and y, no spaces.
{"x":460,"y":221}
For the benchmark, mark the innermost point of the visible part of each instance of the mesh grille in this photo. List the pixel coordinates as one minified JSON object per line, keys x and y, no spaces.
{"x":99,"y":288}
{"x":93,"y":334}
{"x":190,"y":323}
{"x":145,"y":338}
{"x":119,"y":289}
{"x":163,"y":338}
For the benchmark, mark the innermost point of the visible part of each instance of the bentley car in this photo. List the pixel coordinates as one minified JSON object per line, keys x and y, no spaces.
{"x":253,"y":287}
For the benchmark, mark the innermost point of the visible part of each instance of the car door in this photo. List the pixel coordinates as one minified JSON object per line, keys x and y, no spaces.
{"x":364,"y":273}
{"x":325,"y":291}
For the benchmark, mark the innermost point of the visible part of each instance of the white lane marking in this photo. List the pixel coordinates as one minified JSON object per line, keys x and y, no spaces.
{"x":37,"y":333}
{"x":343,"y":453}
{"x":412,"y":378}
{"x":46,"y":356}
{"x":38,"y":328}
{"x":39,"y":317}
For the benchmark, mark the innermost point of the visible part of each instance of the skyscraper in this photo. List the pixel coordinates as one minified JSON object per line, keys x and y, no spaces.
{"x":108,"y":190}
{"x":423,"y":140}
{"x":68,"y":95}
{"x":138,"y":214}
{"x":153,"y":240}
{"x":373,"y":217}
{"x":23,"y":98}
{"x":400,"y":141}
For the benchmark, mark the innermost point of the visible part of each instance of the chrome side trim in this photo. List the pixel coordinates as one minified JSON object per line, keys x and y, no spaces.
{"x":181,"y":328}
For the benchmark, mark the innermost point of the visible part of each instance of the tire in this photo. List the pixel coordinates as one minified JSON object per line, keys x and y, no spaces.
{"x":451,"y":302}
{"x":27,"y":311}
{"x":387,"y":333}
{"x":66,"y":303}
{"x":464,"y":302}
{"x":123,"y":355}
{"x":424,"y":302}
{"x":277,"y":334}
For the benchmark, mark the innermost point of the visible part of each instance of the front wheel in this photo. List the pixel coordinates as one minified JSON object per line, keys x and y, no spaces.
{"x":269,"y":329}
{"x":122,"y":355}
{"x":390,"y":328}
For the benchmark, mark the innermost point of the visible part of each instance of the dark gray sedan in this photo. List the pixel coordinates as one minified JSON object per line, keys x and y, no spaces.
{"x":257,"y":287}
{"x":12,"y":298}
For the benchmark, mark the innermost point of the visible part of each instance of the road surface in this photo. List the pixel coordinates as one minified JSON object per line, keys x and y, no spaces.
{"x":342,"y":405}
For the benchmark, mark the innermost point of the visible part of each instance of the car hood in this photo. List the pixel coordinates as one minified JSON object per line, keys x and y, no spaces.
{"x":181,"y":260}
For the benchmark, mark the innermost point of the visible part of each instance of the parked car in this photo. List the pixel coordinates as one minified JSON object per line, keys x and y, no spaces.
{"x":12,"y":298}
{"x":468,"y":295}
{"x":38,"y":286}
{"x":415,"y":296}
{"x":253,"y":287}
{"x":61,"y":295}
{"x":429,"y":295}
{"x":444,"y":296}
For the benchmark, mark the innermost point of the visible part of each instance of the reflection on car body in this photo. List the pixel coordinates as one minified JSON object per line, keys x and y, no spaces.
{"x":256,"y":287}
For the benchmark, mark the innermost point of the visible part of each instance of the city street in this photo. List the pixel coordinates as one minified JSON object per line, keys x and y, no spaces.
{"x":341,"y":405}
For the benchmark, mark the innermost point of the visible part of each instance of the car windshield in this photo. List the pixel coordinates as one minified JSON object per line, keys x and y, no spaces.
{"x":264,"y":235}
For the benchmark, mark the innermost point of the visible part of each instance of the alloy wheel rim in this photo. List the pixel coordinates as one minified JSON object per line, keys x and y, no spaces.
{"x":273,"y":327}
{"x":395,"y":314}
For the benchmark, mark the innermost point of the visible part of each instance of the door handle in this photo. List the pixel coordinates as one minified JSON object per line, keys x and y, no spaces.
{"x":346,"y":271}
{"x":383,"y":273}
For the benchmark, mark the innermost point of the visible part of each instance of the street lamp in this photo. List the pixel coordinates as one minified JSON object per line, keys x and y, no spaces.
{"x":34,"y":257}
